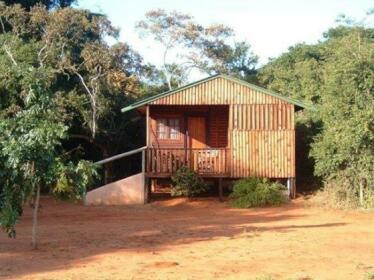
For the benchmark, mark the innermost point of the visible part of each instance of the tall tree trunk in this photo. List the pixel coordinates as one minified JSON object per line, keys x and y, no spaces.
{"x":35,"y":218}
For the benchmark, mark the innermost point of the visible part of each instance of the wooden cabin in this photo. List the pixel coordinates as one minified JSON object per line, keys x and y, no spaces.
{"x":220,"y":127}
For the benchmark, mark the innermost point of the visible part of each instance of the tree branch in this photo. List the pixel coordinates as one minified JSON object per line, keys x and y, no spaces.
{"x":39,"y":55}
{"x":9,"y":54}
{"x":2,"y":24}
{"x":83,"y":83}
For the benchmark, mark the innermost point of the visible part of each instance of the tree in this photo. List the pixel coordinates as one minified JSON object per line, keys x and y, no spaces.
{"x":31,"y":135}
{"x":344,"y":150}
{"x":95,"y":78}
{"x":194,"y":46}
{"x":337,"y":75}
{"x":57,"y":74}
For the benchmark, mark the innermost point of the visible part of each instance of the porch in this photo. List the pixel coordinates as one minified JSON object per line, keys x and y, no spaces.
{"x":206,"y":162}
{"x":195,"y":136}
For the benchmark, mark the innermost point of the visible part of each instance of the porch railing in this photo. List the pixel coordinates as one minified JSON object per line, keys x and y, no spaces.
{"x":204,"y":161}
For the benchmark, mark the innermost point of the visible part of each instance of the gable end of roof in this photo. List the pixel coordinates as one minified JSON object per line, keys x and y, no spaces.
{"x":235,"y":80}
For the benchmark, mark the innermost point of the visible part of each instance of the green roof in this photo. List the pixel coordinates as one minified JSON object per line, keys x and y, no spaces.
{"x":170,"y":92}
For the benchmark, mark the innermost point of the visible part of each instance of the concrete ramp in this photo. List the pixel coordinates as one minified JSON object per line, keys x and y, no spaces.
{"x":123,"y":192}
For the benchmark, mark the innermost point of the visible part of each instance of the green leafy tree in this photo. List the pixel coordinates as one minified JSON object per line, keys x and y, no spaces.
{"x":30,"y":133}
{"x":57,"y":76}
{"x":344,"y":150}
{"x":337,"y":75}
{"x":94,"y":79}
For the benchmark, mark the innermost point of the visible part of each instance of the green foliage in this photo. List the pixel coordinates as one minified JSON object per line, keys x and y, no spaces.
{"x":337,"y":75}
{"x":187,"y":183}
{"x":11,"y":201}
{"x":369,"y":275}
{"x":73,"y":180}
{"x":257,"y":192}
{"x":344,"y":150}
{"x":339,"y":194}
{"x":342,"y":193}
{"x":33,"y":124}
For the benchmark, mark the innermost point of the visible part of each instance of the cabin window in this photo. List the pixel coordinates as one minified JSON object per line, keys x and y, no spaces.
{"x":168,"y":129}
{"x":162,"y":129}
{"x":174,"y":129}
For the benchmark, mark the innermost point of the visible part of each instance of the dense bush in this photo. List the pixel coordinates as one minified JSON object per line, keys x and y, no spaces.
{"x":337,"y":75}
{"x":344,"y":194}
{"x":254,"y":192}
{"x":187,"y":183}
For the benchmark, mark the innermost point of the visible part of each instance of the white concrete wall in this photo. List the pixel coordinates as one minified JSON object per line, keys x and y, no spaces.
{"x":123,"y":192}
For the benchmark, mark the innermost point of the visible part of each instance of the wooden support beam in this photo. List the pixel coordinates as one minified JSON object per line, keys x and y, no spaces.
{"x":291,"y":187}
{"x":147,"y":124}
{"x":153,"y":184}
{"x":220,"y":189}
{"x":148,"y":192}
{"x":145,"y":179}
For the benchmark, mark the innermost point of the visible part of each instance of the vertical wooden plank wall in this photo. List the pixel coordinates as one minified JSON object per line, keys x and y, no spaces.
{"x":263,"y":140}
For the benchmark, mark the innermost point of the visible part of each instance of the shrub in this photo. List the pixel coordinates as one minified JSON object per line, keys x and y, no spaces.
{"x":369,"y":275}
{"x":369,"y":198}
{"x":343,"y":193}
{"x":339,"y":194}
{"x":255,"y":192}
{"x":187,"y":183}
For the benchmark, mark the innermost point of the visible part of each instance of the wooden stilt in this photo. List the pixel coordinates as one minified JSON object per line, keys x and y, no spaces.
{"x":153,"y":184}
{"x":220,"y":189}
{"x":289,"y":187}
{"x":145,"y":185}
{"x":147,"y":190}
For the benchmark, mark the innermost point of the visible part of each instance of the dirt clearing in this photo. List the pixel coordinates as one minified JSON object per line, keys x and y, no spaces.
{"x":202,"y":239}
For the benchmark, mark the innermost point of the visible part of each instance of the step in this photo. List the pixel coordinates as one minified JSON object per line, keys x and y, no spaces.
{"x":128,"y":191}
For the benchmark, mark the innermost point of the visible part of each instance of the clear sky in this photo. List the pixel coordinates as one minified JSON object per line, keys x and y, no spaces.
{"x":270,"y":26}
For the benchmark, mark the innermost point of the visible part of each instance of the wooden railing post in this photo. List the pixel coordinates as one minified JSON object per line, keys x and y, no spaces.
{"x":210,"y":161}
{"x":225,"y":162}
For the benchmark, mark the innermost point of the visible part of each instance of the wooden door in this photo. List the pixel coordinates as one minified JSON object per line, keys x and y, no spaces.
{"x":197,"y":140}
{"x":196,"y":132}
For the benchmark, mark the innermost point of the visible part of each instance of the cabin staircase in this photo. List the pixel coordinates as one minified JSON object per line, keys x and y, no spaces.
{"x":128,"y":191}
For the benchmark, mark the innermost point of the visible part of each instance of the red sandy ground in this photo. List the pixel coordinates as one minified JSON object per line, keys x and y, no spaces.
{"x":202,"y":239}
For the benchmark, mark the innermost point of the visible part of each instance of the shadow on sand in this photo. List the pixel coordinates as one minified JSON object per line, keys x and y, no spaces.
{"x":71,"y":232}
